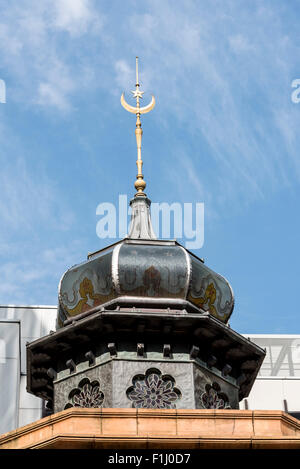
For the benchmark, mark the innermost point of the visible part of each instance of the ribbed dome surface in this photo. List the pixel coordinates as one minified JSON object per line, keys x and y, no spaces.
{"x":143,"y":273}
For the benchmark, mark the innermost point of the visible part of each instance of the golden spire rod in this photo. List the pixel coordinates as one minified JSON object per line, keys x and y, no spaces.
{"x":139,"y":184}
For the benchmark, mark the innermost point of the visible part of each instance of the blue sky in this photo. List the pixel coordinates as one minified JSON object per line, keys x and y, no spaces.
{"x":224,"y":132}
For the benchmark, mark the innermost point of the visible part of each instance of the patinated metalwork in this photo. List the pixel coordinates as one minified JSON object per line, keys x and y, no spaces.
{"x":153,"y":391}
{"x":210,"y":291}
{"x":152,"y":271}
{"x":141,"y":226}
{"x":214,"y":398}
{"x":85,"y":286}
{"x":147,"y":271}
{"x":87,"y":394}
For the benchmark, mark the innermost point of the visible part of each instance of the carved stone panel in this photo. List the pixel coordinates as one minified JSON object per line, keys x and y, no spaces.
{"x":81,"y":388}
{"x":144,"y":383}
{"x":135,"y":381}
{"x":153,"y":391}
{"x":213,"y":392}
{"x":87,"y":394}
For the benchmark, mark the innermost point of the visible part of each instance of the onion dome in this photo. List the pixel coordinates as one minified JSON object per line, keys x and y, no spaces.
{"x":141,"y":271}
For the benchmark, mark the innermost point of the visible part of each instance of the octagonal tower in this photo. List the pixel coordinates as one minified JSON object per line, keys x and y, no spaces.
{"x":143,"y":323}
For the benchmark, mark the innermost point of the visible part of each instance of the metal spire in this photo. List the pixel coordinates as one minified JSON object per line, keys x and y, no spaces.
{"x":139,"y":184}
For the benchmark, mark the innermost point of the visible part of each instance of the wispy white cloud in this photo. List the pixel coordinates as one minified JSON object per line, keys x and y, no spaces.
{"x":221,"y":74}
{"x":28,"y":200}
{"x":224,"y":74}
{"x":75,"y":16}
{"x":33,"y":279}
{"x":239,"y":43}
{"x":123,"y":73}
{"x":59,"y":84}
{"x":35,"y":53}
{"x":219,"y":70}
{"x":51,"y":95}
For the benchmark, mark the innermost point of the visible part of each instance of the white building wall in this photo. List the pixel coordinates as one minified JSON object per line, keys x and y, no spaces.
{"x":9,"y":374}
{"x":277,"y":385}
{"x":18,"y":325}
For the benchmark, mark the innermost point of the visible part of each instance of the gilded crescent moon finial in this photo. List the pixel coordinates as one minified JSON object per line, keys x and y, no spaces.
{"x":136,"y":110}
{"x":137,"y":94}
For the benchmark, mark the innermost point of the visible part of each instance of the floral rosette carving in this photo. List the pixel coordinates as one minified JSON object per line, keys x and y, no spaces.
{"x":87,"y":394}
{"x":214,"y":398}
{"x":153,"y":391}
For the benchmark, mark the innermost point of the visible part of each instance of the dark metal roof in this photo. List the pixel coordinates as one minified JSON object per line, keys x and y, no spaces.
{"x":149,"y":325}
{"x":143,"y":271}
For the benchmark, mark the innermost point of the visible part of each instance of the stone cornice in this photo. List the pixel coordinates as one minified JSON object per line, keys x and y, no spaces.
{"x":147,"y":428}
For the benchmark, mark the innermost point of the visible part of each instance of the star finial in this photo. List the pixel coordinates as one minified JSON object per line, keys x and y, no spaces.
{"x":137,"y":94}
